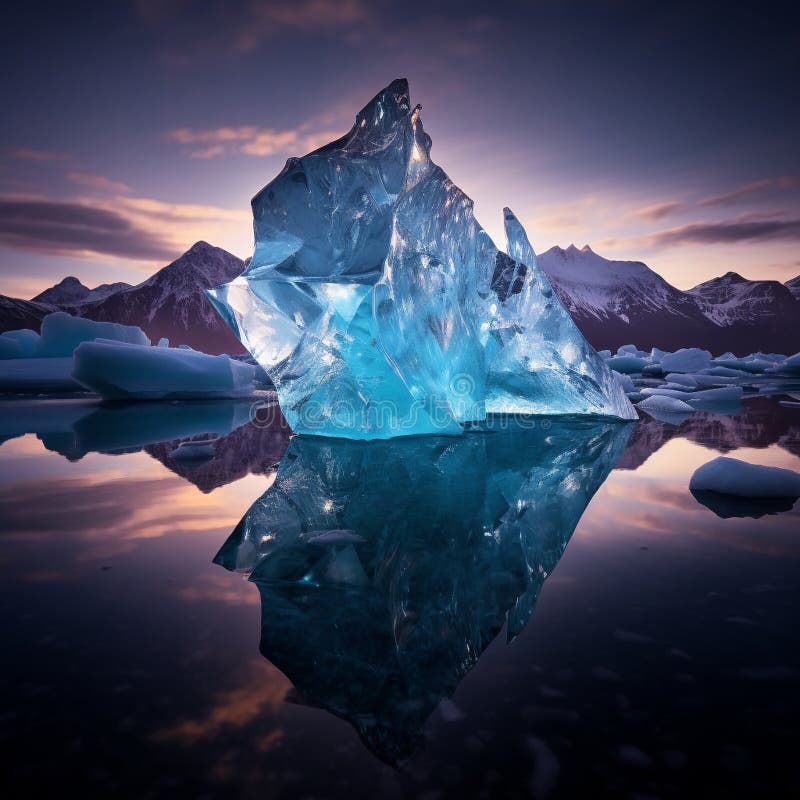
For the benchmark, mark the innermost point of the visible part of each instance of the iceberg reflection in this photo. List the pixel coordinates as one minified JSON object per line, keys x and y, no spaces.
{"x":386,"y":568}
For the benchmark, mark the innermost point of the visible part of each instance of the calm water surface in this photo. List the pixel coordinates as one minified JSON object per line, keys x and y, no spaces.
{"x":447,"y":636}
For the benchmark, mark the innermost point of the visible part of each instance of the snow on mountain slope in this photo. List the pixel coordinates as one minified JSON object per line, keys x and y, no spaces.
{"x":617,"y":302}
{"x":16,"y":313}
{"x":172,"y":302}
{"x":70,"y":292}
{"x":620,"y":302}
{"x":602,"y":288}
{"x":794,"y":286}
{"x":732,"y":299}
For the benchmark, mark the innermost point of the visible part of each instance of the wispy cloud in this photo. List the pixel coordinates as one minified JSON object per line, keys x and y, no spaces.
{"x":249,"y":140}
{"x":727,"y":232}
{"x":32,"y":154}
{"x":241,"y":27}
{"x":657,"y":212}
{"x":780,"y":183}
{"x":98,"y":182}
{"x":43,"y":226}
{"x":135,"y":228}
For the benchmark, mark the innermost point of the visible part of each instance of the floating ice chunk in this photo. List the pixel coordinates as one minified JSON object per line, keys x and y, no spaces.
{"x":624,"y":381}
{"x":731,"y":476}
{"x":117,"y":370}
{"x":633,"y":350}
{"x":682,"y":379}
{"x":195,"y":450}
{"x":62,"y":333}
{"x":689,"y":359}
{"x":379,"y":307}
{"x":790,"y":366}
{"x":665,"y":403}
{"x":22,"y":343}
{"x":627,"y":363}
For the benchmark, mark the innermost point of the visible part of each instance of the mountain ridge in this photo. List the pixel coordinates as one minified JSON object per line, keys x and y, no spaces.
{"x":612,"y":302}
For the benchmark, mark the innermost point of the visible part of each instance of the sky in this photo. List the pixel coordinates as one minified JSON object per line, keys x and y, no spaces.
{"x":660,"y":132}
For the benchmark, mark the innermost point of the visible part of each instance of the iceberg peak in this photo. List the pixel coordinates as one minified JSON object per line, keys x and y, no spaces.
{"x":380,"y":307}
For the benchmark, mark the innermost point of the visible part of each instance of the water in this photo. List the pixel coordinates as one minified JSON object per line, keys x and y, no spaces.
{"x":660,"y":657}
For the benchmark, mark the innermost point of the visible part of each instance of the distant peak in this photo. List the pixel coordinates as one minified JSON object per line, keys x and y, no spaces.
{"x":586,"y":249}
{"x":733,"y":276}
{"x":201,"y":245}
{"x":70,"y":280}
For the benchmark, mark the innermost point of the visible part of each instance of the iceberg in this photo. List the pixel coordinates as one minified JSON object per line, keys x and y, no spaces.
{"x":735,"y":477}
{"x":377,"y":616}
{"x":379,"y":307}
{"x":61,"y":333}
{"x":120,"y":371}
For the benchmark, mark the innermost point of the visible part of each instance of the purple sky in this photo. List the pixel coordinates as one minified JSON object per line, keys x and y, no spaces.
{"x":661,"y":132}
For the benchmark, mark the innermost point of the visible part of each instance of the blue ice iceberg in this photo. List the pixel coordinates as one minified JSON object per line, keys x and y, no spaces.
{"x":121,"y":371}
{"x":379,"y":306}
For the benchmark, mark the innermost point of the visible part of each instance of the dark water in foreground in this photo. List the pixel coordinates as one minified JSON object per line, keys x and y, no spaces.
{"x":421,"y":621}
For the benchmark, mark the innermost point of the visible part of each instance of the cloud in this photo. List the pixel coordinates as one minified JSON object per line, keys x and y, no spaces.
{"x":219,"y":26}
{"x":98,"y":182}
{"x":780,"y":183}
{"x":32,"y":154}
{"x":135,"y":228}
{"x":249,"y":140}
{"x":657,"y":212}
{"x":45,"y":226}
{"x":727,"y":232}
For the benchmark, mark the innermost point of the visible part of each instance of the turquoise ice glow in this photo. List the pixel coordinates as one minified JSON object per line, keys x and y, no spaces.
{"x":380,"y":307}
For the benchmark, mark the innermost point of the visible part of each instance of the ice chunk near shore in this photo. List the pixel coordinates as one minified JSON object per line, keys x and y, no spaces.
{"x":731,"y":476}
{"x":688,"y":359}
{"x":379,"y":307}
{"x":62,"y":333}
{"x":118,"y":371}
{"x":665,"y":404}
{"x":21,"y":343}
{"x":627,"y":363}
{"x":734,"y":488}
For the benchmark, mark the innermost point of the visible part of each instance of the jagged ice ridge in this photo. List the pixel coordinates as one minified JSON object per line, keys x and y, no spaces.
{"x":380,"y":307}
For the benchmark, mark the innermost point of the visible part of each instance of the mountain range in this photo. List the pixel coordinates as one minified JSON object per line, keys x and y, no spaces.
{"x":612,"y":302}
{"x":625,"y":302}
{"x":169,"y":304}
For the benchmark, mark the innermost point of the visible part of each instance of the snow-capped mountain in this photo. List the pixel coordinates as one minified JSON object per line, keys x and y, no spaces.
{"x":732,"y":300}
{"x":620,"y":302}
{"x":613,"y":303}
{"x":172,"y":304}
{"x":71,"y":291}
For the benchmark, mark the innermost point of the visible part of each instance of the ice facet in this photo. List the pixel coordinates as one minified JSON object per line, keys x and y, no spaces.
{"x":379,"y":307}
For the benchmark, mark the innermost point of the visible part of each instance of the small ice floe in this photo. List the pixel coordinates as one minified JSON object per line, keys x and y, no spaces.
{"x":195,"y":450}
{"x":689,"y":359}
{"x":122,"y":371}
{"x":734,"y":488}
{"x":666,"y":408}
